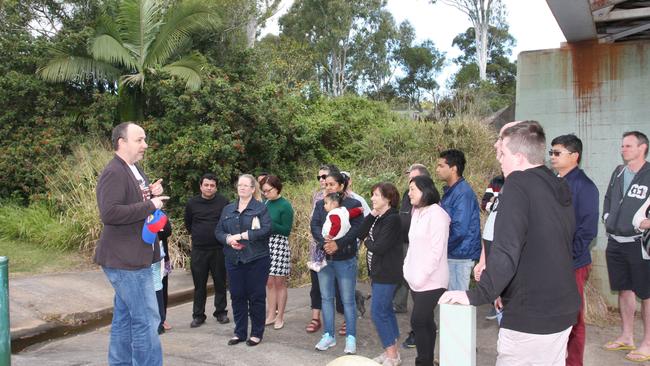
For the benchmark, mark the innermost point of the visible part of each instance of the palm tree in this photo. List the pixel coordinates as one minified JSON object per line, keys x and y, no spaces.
{"x":145,"y":35}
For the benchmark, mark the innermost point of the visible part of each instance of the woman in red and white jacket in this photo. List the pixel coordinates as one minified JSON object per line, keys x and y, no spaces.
{"x":425,"y":266}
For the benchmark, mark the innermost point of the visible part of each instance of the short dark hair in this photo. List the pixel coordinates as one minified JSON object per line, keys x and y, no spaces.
{"x":455,"y":158}
{"x":643,"y":139}
{"x":337,"y":197}
{"x":527,"y":138}
{"x":571,"y":142}
{"x":119,"y":132}
{"x":388,"y":191}
{"x":273,"y":181}
{"x":430,"y":194}
{"x":208,"y":176}
{"x":339,"y":178}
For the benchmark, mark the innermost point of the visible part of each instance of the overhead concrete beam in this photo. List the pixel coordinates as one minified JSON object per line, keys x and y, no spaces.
{"x":624,"y":15}
{"x":613,"y":37}
{"x":574,"y":18}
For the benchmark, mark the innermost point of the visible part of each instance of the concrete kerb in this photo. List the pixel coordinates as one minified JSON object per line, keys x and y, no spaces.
{"x":49,"y":306}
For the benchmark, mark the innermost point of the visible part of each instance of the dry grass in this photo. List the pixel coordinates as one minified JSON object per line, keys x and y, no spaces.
{"x":71,"y":191}
{"x":596,"y":310}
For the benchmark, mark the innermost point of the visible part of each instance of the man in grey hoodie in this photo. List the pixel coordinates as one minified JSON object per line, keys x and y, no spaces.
{"x":627,"y":266}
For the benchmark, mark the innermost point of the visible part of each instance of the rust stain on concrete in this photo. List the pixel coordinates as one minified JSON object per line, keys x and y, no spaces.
{"x":592,"y":64}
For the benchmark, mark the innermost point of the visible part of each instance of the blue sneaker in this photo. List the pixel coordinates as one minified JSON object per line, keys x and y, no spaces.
{"x":327,"y":341}
{"x":350,"y":345}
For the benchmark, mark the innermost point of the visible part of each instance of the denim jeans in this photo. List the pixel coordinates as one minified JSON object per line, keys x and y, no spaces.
{"x":460,"y":271}
{"x":345,"y":274}
{"x":134,"y":331}
{"x":382,"y":313}
{"x":248,"y":295}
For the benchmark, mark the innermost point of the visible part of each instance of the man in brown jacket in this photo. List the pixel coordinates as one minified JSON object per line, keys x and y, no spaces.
{"x":125,"y":199}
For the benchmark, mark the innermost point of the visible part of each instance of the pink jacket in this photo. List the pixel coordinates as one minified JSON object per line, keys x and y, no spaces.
{"x":425,"y":265}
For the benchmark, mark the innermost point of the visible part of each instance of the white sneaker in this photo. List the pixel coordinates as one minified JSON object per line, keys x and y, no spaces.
{"x":350,"y":345}
{"x":392,"y":361}
{"x":380,"y":359}
{"x":327,"y":341}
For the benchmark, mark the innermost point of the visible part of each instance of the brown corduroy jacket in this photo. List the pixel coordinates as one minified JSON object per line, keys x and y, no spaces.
{"x":123,"y":211}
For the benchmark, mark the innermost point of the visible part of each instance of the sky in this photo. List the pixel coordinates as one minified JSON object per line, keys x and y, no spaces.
{"x":530,"y":21}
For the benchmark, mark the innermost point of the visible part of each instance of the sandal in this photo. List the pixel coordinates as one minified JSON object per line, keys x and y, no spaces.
{"x":313,"y":326}
{"x":343,"y":330}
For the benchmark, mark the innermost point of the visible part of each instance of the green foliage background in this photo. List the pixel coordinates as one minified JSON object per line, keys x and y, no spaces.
{"x":256,"y":110}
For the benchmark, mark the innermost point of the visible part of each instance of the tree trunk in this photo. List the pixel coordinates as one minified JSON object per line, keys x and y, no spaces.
{"x":251,"y":31}
{"x":481,"y":32}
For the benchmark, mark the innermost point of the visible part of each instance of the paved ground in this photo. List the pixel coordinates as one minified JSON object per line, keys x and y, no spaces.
{"x":207,"y":345}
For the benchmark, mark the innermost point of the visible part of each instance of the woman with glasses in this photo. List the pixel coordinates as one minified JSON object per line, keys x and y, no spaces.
{"x":341,"y":255}
{"x":244,"y":229}
{"x":281,"y":214}
{"x":425,"y":266}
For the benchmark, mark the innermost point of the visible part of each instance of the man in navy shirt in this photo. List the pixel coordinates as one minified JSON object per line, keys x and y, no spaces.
{"x":566,"y":153}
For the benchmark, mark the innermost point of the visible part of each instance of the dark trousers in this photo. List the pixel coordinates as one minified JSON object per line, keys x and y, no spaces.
{"x":314,"y":294}
{"x":161,"y":306}
{"x":204,"y":262}
{"x":400,"y":298}
{"x":248,"y":295}
{"x":424,"y":325}
{"x":165,"y":290}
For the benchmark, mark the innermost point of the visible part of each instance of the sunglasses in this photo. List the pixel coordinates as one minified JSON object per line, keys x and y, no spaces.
{"x":558,"y":153}
{"x":319,"y":177}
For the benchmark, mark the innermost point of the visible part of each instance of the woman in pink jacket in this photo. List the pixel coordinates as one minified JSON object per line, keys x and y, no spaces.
{"x":425,"y":265}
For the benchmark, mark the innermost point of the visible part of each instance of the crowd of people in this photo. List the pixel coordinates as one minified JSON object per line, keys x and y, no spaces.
{"x":531,"y":264}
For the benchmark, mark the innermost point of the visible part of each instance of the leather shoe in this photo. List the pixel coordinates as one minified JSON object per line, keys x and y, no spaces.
{"x":197,"y":322}
{"x":251,"y":343}
{"x":223,"y":319}
{"x":234,"y":341}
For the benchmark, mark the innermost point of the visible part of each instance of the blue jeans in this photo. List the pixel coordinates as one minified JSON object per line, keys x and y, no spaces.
{"x":345,"y":274}
{"x":382,"y":313}
{"x":134,"y":331}
{"x":248,"y":295}
{"x":460,"y":271}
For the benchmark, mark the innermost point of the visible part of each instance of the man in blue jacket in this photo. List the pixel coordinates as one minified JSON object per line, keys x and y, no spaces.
{"x":566,"y":153}
{"x":459,"y":200}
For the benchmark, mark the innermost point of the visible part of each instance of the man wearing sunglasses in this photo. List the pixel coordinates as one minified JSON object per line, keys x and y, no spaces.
{"x":628,"y":265}
{"x":565,"y":154}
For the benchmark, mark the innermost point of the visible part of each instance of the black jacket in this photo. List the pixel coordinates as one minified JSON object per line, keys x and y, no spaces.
{"x":385,"y":244}
{"x":347,"y":245}
{"x":405,"y":216}
{"x":530,"y":264}
{"x":201,"y":218}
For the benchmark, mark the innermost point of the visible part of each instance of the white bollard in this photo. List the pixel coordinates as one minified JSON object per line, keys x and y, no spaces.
{"x":457,"y":335}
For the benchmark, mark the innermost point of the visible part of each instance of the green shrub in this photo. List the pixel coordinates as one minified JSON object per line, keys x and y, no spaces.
{"x":36,"y":224}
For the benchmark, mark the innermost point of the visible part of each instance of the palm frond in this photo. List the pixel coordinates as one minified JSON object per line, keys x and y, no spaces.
{"x":134,"y":80}
{"x":71,"y":68}
{"x":106,"y":48}
{"x":179,"y":23}
{"x":141,"y":20}
{"x":188,"y":69}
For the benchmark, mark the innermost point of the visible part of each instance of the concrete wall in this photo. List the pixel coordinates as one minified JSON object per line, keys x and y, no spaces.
{"x":597,"y":92}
